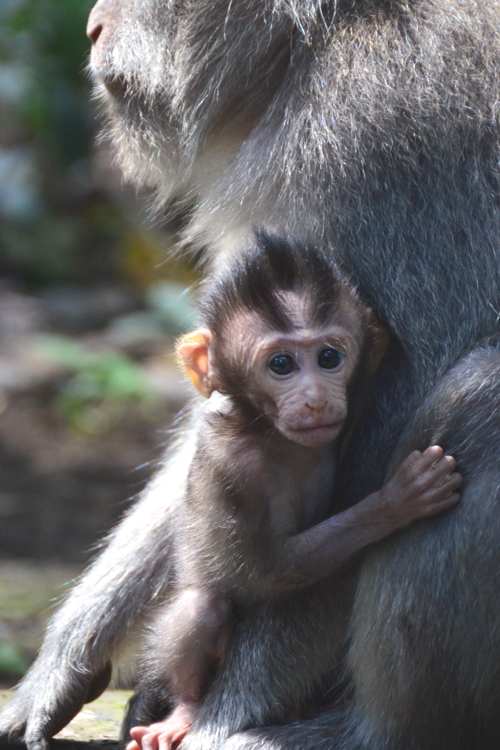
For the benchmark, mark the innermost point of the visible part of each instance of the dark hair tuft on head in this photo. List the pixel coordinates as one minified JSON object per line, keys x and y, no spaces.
{"x":254,"y":280}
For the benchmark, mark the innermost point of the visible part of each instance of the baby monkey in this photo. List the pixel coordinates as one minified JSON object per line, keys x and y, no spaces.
{"x":284,"y":352}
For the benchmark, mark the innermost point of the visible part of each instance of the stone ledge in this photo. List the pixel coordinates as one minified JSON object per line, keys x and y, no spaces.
{"x":69,"y":745}
{"x":96,"y":727}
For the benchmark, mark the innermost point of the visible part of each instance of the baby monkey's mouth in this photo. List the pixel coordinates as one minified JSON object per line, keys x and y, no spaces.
{"x":317,"y":423}
{"x":314,"y":436}
{"x":315,"y":426}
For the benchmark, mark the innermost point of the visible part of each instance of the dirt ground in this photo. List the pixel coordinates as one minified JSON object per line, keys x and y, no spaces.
{"x":60,"y":491}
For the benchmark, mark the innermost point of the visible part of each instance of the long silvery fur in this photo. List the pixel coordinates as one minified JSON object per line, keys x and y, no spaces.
{"x":369,"y":129}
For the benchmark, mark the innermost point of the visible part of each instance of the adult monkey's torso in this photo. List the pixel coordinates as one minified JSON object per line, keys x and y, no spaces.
{"x":366,"y":128}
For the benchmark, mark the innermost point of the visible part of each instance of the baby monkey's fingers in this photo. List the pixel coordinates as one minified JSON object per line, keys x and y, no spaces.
{"x":422,"y":485}
{"x":442,"y":494}
{"x":418,"y":464}
{"x":432,"y":454}
{"x":424,"y":470}
{"x":445,"y":504}
{"x":439,"y":472}
{"x":433,"y":462}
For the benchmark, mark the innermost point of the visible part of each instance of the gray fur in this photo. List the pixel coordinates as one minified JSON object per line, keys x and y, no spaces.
{"x":370,"y":143}
{"x":426,"y":675}
{"x":370,"y":129}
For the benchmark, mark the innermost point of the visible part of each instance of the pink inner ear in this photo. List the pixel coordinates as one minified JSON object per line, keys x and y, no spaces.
{"x":202,"y":362}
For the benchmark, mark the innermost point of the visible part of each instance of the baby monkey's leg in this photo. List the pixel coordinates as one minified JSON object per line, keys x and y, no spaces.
{"x":196,"y":626}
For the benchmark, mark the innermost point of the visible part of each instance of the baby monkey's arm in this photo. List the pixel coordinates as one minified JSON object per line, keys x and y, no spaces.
{"x":423,"y":484}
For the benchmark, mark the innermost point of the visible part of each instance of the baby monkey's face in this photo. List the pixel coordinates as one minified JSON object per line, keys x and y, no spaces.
{"x":299,"y":381}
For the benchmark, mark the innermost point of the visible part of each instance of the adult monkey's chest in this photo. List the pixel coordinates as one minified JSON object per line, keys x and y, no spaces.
{"x":355,"y":128}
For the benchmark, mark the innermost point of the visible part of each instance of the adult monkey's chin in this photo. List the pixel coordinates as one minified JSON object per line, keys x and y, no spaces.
{"x":115,"y":85}
{"x":128,"y":49}
{"x":180,"y":125}
{"x":131,"y":65}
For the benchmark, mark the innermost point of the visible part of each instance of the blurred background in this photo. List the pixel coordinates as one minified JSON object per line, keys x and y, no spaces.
{"x":91,"y":301}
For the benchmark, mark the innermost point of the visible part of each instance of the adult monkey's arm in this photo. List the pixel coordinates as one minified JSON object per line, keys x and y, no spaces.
{"x":105,"y":607}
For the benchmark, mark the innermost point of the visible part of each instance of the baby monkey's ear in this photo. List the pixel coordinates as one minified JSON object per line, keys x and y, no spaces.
{"x":193,"y":350}
{"x":378,"y":341}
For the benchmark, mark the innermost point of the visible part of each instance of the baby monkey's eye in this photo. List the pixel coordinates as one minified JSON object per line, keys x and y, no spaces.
{"x":329,"y":359}
{"x":282,"y":364}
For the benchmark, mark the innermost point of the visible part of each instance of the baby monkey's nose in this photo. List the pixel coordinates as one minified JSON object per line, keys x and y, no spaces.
{"x":315,"y":401}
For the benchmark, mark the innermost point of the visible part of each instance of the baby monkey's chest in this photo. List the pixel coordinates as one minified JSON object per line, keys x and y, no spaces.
{"x":301,"y":496}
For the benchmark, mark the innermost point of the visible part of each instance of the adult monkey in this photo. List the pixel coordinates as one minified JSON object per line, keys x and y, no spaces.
{"x":370,"y":128}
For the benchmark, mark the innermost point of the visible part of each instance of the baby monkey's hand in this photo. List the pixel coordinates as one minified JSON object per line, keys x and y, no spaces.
{"x":422,"y":485}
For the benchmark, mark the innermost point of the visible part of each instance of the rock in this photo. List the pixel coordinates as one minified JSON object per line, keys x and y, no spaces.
{"x":96,"y":727}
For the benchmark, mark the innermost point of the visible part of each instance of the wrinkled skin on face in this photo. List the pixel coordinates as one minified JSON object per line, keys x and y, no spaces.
{"x":298,"y":380}
{"x":308,"y":402}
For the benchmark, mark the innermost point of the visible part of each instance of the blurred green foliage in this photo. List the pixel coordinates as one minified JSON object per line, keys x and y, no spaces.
{"x":25,"y":593}
{"x":44,"y":41}
{"x":62,"y":219}
{"x":54,"y":224}
{"x":102,"y":384}
{"x":12,"y":660}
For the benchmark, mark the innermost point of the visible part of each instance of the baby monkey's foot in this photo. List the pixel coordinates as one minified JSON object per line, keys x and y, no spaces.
{"x":166,"y":734}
